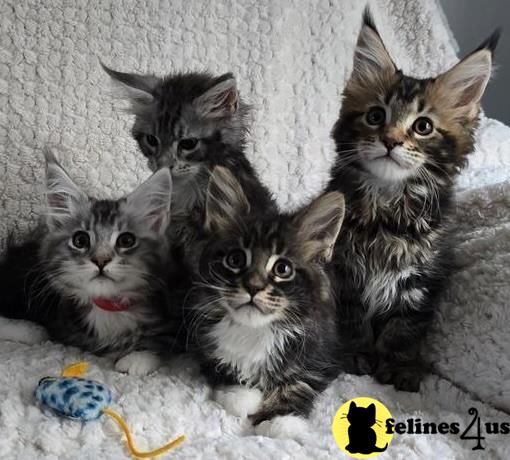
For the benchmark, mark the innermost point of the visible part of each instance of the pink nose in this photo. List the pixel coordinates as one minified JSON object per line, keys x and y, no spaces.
{"x":390,"y":143}
{"x":101,"y":261}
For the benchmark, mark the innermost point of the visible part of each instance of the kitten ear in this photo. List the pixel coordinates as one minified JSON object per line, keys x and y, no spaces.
{"x":371,"y":59}
{"x":463,"y":85}
{"x":371,"y":408}
{"x":226,"y":201}
{"x":318,"y":226}
{"x":219,"y":101}
{"x":140,"y":89}
{"x":352,"y":406}
{"x":151,"y":201}
{"x":63,"y":196}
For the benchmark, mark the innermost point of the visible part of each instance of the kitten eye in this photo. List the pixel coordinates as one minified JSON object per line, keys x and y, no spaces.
{"x":151,"y":141}
{"x":283,"y":269}
{"x":236,"y":259}
{"x":126,"y":240}
{"x":81,"y":240}
{"x":188,"y":144}
{"x":423,"y":126}
{"x":376,"y":116}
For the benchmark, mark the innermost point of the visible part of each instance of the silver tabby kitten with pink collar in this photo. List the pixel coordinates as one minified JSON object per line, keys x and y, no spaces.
{"x":94,"y":272}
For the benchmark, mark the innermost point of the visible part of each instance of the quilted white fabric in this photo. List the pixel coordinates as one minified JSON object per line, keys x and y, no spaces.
{"x":291,"y":59}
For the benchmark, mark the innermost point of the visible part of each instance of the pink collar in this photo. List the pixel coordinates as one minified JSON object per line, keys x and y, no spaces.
{"x":113,"y":305}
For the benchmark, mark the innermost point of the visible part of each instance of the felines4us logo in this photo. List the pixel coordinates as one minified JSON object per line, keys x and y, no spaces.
{"x":364,"y":428}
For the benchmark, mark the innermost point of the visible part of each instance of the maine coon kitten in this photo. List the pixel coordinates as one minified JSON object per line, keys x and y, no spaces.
{"x":191,"y":122}
{"x":263,"y":312}
{"x":94,"y":272}
{"x":401,"y":142}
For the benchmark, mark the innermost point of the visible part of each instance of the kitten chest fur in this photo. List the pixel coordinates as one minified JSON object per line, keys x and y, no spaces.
{"x":249,"y":352}
{"x":109,"y":326}
{"x":387,"y":244}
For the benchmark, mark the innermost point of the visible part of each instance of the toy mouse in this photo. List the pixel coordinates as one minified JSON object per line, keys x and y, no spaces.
{"x":82,"y":399}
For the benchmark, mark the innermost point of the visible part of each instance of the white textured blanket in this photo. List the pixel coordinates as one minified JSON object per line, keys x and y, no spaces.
{"x":291,"y":59}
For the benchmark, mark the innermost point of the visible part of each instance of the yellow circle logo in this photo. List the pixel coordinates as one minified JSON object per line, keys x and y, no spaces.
{"x":359,"y":428}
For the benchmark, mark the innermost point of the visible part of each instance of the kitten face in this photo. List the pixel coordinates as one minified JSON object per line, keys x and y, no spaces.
{"x":185,"y":121}
{"x":101,"y":248}
{"x":261,"y":269}
{"x":395,"y":127}
{"x":258,"y":277}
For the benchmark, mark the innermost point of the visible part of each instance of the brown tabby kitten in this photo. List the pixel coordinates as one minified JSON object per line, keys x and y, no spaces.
{"x":401,"y":141}
{"x":263,"y":311}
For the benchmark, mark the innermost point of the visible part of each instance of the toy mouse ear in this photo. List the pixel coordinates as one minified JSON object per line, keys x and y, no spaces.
{"x":75,"y":370}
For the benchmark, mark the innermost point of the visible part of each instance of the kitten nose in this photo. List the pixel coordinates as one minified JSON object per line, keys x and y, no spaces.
{"x":390,"y":143}
{"x":254,"y":285}
{"x":101,"y":261}
{"x":253,"y":289}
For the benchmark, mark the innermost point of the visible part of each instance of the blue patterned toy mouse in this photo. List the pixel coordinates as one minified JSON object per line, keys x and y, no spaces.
{"x":82,"y":399}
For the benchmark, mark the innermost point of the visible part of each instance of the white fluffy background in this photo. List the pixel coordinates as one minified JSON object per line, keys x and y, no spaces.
{"x":291,"y":60}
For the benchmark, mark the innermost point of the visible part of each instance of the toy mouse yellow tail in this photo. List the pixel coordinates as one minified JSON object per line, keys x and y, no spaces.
{"x":132,"y":448}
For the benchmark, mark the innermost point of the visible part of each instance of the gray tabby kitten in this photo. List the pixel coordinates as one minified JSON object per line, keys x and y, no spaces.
{"x":263,"y":310}
{"x":191,"y":122}
{"x":94,"y":272}
{"x":401,"y":141}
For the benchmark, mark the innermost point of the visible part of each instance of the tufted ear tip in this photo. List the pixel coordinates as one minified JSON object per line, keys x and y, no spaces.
{"x":221,"y":100}
{"x":319,"y":224}
{"x":226,"y":201}
{"x":151,"y":200}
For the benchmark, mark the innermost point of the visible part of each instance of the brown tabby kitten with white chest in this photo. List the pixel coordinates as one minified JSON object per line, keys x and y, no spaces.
{"x":401,"y":142}
{"x":262,"y":306}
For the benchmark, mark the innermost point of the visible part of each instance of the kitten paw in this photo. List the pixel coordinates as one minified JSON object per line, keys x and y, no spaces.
{"x":138,"y":363}
{"x":402,"y":379}
{"x":359,"y":364}
{"x":22,"y":332}
{"x":238,"y":400}
{"x":407,"y":381}
{"x":283,"y":427}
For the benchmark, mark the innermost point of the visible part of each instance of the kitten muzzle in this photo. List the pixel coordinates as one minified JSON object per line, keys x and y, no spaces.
{"x":251,"y":304}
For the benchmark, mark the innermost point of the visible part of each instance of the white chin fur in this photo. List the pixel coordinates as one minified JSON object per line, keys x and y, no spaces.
{"x":283,"y":427}
{"x":238,"y":400}
{"x":387,"y":169}
{"x":251,"y":317}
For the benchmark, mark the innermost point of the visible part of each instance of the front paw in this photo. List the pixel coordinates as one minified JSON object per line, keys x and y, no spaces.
{"x":138,"y":363}
{"x":22,"y":331}
{"x":402,"y":378}
{"x":283,"y":427}
{"x":359,"y":363}
{"x":238,"y":400}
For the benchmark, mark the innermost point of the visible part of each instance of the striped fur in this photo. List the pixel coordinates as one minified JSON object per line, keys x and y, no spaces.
{"x":251,"y":326}
{"x":206,"y":109}
{"x":393,"y":258}
{"x":49,"y":280}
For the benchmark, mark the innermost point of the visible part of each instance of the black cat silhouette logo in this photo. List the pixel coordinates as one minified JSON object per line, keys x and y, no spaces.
{"x":359,"y":428}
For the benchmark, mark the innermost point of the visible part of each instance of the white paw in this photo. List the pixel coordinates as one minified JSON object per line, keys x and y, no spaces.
{"x":238,"y":400}
{"x":138,"y":363}
{"x":22,"y":331}
{"x":283,"y":427}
